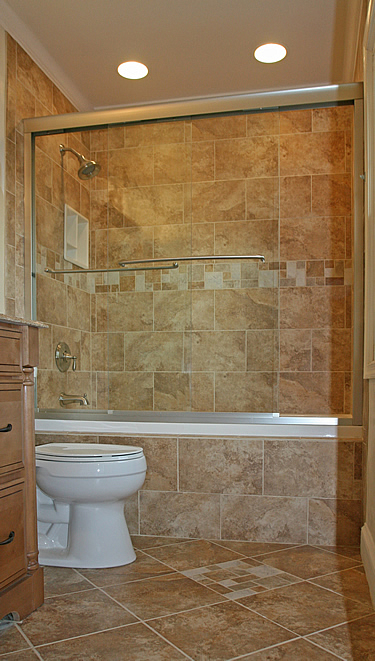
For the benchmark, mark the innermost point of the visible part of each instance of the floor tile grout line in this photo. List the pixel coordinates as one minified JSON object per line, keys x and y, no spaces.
{"x":264,"y":649}
{"x":268,"y":619}
{"x":187,"y":610}
{"x":84,"y":635}
{"x":160,"y":546}
{"x":339,"y":594}
{"x":168,"y":642}
{"x":323,"y":648}
{"x":339,"y":624}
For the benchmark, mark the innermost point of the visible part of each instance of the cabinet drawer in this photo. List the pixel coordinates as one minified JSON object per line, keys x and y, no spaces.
{"x":10,"y":351}
{"x":10,"y":414}
{"x":13,"y":561}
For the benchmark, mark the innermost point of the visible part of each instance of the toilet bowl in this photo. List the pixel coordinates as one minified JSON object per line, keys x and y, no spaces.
{"x":81,"y":491}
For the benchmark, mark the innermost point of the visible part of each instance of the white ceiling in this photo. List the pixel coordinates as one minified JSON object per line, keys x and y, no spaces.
{"x":193,"y":48}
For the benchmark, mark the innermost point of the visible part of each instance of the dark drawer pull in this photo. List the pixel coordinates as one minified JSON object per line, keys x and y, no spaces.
{"x":9,"y":540}
{"x":7,"y":428}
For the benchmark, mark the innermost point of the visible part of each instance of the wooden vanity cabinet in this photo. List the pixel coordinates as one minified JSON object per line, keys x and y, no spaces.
{"x":21,"y":578}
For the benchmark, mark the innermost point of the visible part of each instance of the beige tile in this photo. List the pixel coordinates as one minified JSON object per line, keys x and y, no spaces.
{"x":311,"y":393}
{"x":219,"y":201}
{"x":350,"y":583}
{"x":157,"y":352}
{"x":244,"y":392}
{"x":138,"y":641}
{"x":180,"y":514}
{"x":154,"y":133}
{"x":295,"y":196}
{"x":73,"y":615}
{"x":202,"y":459}
{"x":339,"y":118}
{"x":216,"y":351}
{"x":331,"y":195}
{"x":308,"y":468}
{"x":202,"y":161}
{"x":308,"y":562}
{"x":153,"y":205}
{"x":172,"y":391}
{"x":262,"y":350}
{"x":78,"y":306}
{"x":130,"y":311}
{"x":202,"y":391}
{"x":126,"y":244}
{"x":247,"y":238}
{"x":264,"y":519}
{"x":304,"y":608}
{"x":246,"y":309}
{"x":295,"y":350}
{"x":347,"y":551}
{"x":161,"y":457}
{"x":172,"y":163}
{"x":217,"y":128}
{"x":263,"y":123}
{"x":312,"y":153}
{"x":262,"y":198}
{"x":49,"y":292}
{"x":246,"y":158}
{"x":296,"y":121}
{"x":172,"y":310}
{"x":334,"y":521}
{"x":200,"y":633}
{"x":163,"y":595}
{"x":108,"y":351}
{"x":129,"y":391}
{"x":49,"y":228}
{"x":312,"y":307}
{"x":312,"y":238}
{"x":331,"y":350}
{"x":130,"y":167}
{"x":25,"y":106}
{"x":351,"y":641}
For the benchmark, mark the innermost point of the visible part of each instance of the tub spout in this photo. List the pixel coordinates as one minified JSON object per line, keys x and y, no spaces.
{"x":65,"y":399}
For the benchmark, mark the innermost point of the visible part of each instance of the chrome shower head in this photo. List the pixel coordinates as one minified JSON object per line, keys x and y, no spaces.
{"x":88,"y":169}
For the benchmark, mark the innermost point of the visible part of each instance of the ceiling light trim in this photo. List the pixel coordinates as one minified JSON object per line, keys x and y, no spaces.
{"x":31,"y":44}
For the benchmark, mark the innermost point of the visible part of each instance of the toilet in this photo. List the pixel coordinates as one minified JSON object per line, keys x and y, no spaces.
{"x":81,"y":491}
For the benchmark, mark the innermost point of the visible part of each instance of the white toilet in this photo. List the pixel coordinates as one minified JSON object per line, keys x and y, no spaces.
{"x":81,"y":490}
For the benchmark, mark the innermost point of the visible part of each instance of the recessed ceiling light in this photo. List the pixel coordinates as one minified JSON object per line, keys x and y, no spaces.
{"x":270,"y":53}
{"x":132,"y":70}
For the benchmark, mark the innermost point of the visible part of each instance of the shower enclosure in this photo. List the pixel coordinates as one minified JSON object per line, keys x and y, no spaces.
{"x":211,"y":265}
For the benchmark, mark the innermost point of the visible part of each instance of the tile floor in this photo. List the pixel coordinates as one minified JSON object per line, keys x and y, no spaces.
{"x":206,"y":601}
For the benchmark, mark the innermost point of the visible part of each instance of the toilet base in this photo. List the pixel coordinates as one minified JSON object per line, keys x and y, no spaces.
{"x":98,"y":537}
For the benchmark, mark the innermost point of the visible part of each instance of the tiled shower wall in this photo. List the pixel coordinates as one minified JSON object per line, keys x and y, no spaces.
{"x":227,"y":336}
{"x":273,"y":183}
{"x":257,"y":489}
{"x":30,"y":93}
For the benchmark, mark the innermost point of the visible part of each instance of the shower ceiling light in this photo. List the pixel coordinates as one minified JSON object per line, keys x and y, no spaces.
{"x":132,"y":70}
{"x":269,"y":53}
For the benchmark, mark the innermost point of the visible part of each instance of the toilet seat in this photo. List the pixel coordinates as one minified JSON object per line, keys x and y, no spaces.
{"x":87,"y":452}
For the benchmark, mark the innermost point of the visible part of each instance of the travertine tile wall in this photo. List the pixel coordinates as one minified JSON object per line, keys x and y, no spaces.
{"x":230,"y":336}
{"x":257,"y":489}
{"x":30,"y":93}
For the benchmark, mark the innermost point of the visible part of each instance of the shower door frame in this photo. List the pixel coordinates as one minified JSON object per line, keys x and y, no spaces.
{"x":279,"y":100}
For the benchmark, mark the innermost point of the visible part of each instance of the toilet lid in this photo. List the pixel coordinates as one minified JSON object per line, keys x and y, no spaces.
{"x":87,"y":452}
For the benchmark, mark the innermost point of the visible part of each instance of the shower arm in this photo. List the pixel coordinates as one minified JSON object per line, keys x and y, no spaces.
{"x":175,"y":260}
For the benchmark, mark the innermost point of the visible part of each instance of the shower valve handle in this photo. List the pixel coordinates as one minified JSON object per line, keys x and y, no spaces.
{"x":68,"y":356}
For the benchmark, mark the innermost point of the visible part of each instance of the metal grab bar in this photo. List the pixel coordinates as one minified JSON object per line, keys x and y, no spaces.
{"x":191,"y":259}
{"x":121,"y":270}
{"x":156,"y":260}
